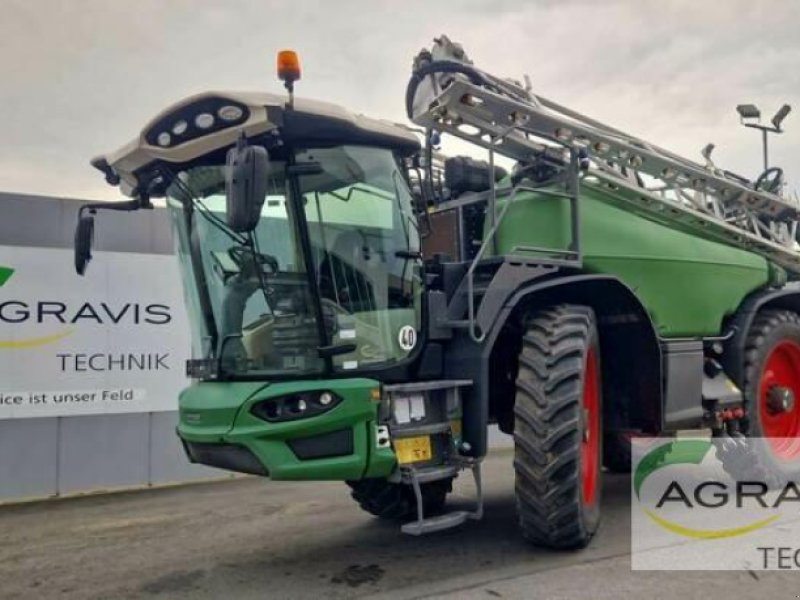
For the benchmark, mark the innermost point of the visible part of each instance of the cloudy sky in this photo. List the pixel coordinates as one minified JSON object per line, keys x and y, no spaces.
{"x":80,"y":77}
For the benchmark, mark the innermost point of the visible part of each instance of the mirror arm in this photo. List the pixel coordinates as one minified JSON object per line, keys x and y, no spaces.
{"x":84,"y":231}
{"x":141,"y":199}
{"x":128,"y":205}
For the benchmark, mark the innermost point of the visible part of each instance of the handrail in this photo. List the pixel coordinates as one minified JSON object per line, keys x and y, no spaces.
{"x":478,"y":337}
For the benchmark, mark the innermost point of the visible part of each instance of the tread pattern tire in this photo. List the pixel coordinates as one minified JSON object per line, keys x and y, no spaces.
{"x":549,"y":428}
{"x":396,"y":501}
{"x":739,"y":458}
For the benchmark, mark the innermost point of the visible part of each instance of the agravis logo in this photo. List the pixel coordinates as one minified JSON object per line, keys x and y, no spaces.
{"x":5,"y":275}
{"x":32,"y":342}
{"x":54,"y":313}
{"x":701,"y":493}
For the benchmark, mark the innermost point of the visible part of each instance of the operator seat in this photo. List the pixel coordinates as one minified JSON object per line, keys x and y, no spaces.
{"x":350,"y":273}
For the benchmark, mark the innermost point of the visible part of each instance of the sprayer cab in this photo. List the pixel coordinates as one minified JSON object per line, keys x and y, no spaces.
{"x":295,"y":227}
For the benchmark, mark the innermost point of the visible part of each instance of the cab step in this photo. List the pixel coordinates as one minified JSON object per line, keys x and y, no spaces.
{"x":438,"y":523}
{"x":424,"y":525}
{"x":428,"y":474}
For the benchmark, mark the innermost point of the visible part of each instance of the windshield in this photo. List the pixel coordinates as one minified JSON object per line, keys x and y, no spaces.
{"x":266,"y":296}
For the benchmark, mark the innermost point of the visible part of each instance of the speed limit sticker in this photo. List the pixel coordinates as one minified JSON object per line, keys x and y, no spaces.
{"x":407,"y":337}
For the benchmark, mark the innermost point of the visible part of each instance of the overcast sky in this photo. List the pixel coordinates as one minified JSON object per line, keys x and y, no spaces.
{"x":80,"y":77}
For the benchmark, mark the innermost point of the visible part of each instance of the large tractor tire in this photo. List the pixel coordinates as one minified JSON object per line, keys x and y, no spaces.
{"x":557,"y":428}
{"x":395,"y":501}
{"x":771,"y":387}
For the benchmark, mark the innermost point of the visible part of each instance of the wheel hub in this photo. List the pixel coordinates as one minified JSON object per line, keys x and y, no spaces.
{"x":779,"y":414}
{"x":780,"y":400}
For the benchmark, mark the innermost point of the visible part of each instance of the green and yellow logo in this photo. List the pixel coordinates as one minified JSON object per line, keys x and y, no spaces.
{"x":32,"y":342}
{"x":701,"y":493}
{"x":5,"y":275}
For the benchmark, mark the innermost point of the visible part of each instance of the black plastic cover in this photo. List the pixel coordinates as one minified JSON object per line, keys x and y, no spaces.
{"x":326,"y":445}
{"x":225,"y":456}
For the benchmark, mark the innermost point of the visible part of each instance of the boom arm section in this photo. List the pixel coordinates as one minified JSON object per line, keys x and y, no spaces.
{"x":448,"y":94}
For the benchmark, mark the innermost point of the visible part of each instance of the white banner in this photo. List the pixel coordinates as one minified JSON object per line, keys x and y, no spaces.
{"x":113,"y":341}
{"x":700,"y":503}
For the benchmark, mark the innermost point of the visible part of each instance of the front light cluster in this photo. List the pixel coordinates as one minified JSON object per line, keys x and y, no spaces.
{"x":295,"y":406}
{"x":200,"y":118}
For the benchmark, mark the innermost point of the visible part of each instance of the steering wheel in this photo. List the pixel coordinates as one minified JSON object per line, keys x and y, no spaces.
{"x":770,"y":180}
{"x":250,"y":261}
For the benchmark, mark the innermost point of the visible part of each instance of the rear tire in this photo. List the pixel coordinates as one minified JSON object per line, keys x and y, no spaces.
{"x":771,"y":361}
{"x":557,"y":429}
{"x":396,"y":501}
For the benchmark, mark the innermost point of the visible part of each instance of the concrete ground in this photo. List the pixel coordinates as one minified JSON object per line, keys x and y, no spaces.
{"x":249,"y":538}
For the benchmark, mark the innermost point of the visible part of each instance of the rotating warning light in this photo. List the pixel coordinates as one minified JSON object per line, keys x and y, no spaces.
{"x":288,"y":66}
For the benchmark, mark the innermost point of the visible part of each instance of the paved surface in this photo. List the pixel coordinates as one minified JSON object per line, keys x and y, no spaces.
{"x":249,"y":538}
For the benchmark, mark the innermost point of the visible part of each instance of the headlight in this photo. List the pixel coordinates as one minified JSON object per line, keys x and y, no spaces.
{"x":204,"y":120}
{"x":202,"y":117}
{"x":229,"y":112}
{"x":295,"y":406}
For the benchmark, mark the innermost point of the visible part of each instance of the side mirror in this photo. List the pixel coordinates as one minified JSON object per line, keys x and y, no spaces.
{"x":246,"y":179}
{"x":84,"y":236}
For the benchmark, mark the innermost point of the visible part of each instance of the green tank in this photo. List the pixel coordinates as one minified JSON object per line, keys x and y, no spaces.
{"x":688,"y":284}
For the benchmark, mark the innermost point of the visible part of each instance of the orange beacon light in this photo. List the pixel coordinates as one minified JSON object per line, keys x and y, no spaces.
{"x":288,"y":66}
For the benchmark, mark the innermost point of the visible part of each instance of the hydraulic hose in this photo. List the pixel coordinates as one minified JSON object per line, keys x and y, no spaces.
{"x":439,"y":66}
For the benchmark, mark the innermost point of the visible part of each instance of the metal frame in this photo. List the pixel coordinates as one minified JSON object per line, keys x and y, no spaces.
{"x":515,"y":266}
{"x":570,"y":257}
{"x":503,"y":117}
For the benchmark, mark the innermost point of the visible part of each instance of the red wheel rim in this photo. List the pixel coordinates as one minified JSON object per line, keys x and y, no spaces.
{"x":590,"y":445}
{"x":782,"y":368}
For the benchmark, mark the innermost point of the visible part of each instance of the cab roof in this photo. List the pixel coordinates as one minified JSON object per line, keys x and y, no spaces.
{"x":213,"y":121}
